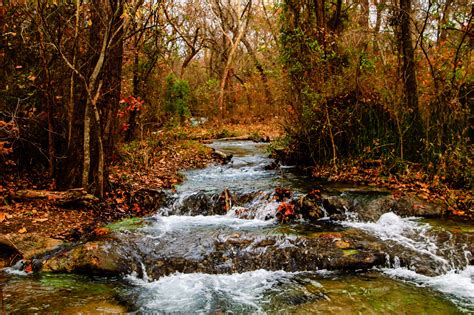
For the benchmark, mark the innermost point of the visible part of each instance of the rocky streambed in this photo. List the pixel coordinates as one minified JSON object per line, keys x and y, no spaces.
{"x":249,"y":238}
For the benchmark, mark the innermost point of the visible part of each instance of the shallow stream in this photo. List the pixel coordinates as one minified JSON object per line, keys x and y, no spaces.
{"x":178,"y":231}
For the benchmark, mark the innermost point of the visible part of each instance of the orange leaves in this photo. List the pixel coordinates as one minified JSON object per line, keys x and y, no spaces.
{"x":101,"y":231}
{"x":3,"y":217}
{"x":285,"y":212}
{"x":132,"y":103}
{"x":315,"y":194}
{"x":459,"y":212}
{"x":136,"y":208}
{"x":282,"y":194}
{"x":28,"y":268}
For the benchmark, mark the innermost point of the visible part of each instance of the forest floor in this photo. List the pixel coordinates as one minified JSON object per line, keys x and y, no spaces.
{"x":457,"y":202}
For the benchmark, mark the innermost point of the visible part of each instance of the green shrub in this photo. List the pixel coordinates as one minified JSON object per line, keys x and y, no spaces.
{"x":177,"y":94}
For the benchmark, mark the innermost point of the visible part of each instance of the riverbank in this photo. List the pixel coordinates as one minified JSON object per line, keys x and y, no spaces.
{"x":412,"y":180}
{"x":457,"y":202}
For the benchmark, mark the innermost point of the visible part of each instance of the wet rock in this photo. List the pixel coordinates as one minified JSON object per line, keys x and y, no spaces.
{"x":336,"y":206}
{"x":122,"y":254}
{"x":282,"y":194}
{"x":203,"y":203}
{"x":107,"y":257}
{"x":272,"y":166}
{"x":9,"y":254}
{"x":14,"y":247}
{"x":371,"y":207}
{"x":310,"y":206}
{"x":224,"y":158}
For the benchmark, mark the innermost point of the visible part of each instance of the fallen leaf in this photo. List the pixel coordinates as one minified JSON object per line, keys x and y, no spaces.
{"x":40,"y":220}
{"x":3,"y":216}
{"x":101,"y":231}
{"x":342,"y":244}
{"x":22,"y":230}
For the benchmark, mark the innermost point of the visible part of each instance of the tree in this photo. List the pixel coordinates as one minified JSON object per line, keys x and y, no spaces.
{"x":93,"y":118}
{"x":225,"y":15}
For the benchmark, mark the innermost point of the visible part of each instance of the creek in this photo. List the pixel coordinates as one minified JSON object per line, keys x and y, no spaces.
{"x":215,"y":247}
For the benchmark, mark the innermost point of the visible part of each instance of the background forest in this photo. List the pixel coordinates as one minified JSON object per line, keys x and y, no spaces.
{"x":380,"y":81}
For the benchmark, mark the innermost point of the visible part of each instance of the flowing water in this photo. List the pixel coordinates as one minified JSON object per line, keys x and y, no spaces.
{"x":180,"y":230}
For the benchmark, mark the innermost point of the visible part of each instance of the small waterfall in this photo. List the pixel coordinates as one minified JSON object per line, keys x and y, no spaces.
{"x":456,"y":276}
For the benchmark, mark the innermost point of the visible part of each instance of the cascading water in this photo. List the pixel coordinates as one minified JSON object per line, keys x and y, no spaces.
{"x":225,"y":253}
{"x":456,"y":276}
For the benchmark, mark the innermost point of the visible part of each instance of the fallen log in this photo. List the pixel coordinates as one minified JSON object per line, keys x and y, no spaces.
{"x":246,"y":138}
{"x":238,"y":138}
{"x":224,"y":157}
{"x":77,"y":196}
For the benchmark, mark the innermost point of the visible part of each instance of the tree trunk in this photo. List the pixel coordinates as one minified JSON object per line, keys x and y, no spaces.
{"x":261,"y":71}
{"x":380,"y":7}
{"x":107,"y":107}
{"x":412,"y":120}
{"x":86,"y":161}
{"x":441,"y":32}
{"x":49,"y":100}
{"x":132,"y":119}
{"x":364,"y":15}
{"x":241,"y":29}
{"x":408,"y":56}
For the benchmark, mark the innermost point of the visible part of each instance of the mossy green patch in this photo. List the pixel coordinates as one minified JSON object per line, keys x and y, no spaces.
{"x":127,"y":224}
{"x":349,"y":252}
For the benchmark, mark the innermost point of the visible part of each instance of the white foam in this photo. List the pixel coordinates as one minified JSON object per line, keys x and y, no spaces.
{"x":259,"y":209}
{"x":188,"y":223}
{"x":408,"y":232}
{"x":202,"y":293}
{"x":412,"y":234}
{"x":14,"y":271}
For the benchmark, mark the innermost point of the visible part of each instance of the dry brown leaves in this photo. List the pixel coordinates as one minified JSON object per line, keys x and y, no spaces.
{"x":458,"y":202}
